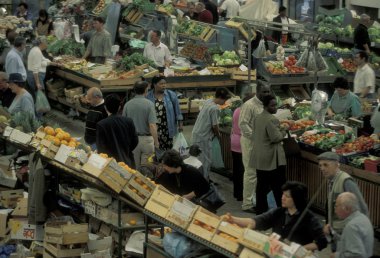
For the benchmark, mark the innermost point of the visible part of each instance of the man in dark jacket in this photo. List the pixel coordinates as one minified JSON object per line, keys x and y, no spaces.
{"x":361,"y":36}
{"x":96,"y":113}
{"x":116,"y":135}
{"x":281,"y":37}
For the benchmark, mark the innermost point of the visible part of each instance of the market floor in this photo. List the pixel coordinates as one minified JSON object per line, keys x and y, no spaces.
{"x":76,"y":128}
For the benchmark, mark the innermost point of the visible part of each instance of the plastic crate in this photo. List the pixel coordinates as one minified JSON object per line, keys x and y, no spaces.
{"x":371,"y":165}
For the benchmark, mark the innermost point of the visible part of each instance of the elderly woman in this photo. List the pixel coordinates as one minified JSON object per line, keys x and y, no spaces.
{"x":37,"y":64}
{"x":169,"y":116}
{"x":344,"y":102}
{"x":23,"y":102}
{"x":283,"y":220}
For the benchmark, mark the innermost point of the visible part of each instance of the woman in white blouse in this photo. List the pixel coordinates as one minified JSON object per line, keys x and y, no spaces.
{"x":37,"y":64}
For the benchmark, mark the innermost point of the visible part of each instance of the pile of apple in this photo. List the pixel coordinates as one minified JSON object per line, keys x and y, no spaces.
{"x":348,"y":65}
{"x":290,"y":64}
{"x":298,"y":125}
{"x":360,"y":144}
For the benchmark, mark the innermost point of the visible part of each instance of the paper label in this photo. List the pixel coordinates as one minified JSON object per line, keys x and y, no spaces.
{"x":63,"y":153}
{"x":7,"y":131}
{"x":182,"y":209}
{"x":97,"y":161}
{"x":243,"y":68}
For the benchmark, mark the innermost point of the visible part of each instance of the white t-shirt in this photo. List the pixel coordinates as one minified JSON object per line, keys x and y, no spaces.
{"x":158,"y":54}
{"x":36,"y":61}
{"x":364,"y":77}
{"x":232,"y":7}
{"x":284,"y":20}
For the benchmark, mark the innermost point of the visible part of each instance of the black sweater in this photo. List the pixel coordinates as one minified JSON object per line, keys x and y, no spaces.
{"x":94,"y":115}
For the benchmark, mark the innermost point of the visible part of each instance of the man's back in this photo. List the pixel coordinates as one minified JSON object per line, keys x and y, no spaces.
{"x":142,"y":113}
{"x":94,"y":115}
{"x":207,"y":118}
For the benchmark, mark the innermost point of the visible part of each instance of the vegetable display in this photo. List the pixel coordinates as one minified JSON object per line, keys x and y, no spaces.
{"x":227,"y":58}
{"x":66,"y":47}
{"x":360,"y":144}
{"x":129,"y":62}
{"x":302,"y":111}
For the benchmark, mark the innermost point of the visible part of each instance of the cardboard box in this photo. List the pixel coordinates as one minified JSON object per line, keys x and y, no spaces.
{"x":65,"y":233}
{"x":204,"y":224}
{"x":49,"y":152}
{"x":20,"y":137}
{"x":139,"y":188}
{"x":254,"y":240}
{"x":22,"y":230}
{"x":181,"y":212}
{"x":160,"y":201}
{"x":108,"y":171}
{"x":227,"y":236}
{"x":10,"y":198}
{"x":21,"y":209}
{"x":37,"y":138}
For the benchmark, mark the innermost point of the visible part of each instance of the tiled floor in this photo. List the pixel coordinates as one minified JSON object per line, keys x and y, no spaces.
{"x":225,"y":185}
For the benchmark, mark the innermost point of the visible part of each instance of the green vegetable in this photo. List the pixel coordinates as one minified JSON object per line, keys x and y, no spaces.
{"x":66,"y":47}
{"x":129,"y":62}
{"x":25,"y":121}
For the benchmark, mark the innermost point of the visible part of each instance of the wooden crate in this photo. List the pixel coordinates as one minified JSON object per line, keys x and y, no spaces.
{"x":73,"y":163}
{"x":134,"y":16}
{"x":10,"y":198}
{"x":208,"y":35}
{"x":109,"y":172}
{"x":248,"y":253}
{"x":227,"y":236}
{"x":48,"y":152}
{"x":204,"y":224}
{"x":181,"y":212}
{"x":239,"y":75}
{"x":254,"y":240}
{"x":64,"y":233}
{"x":37,"y":138}
{"x":139,"y":188}
{"x":56,"y":250}
{"x":160,"y":201}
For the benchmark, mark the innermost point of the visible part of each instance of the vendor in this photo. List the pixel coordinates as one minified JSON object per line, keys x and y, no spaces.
{"x":282,"y":220}
{"x":99,"y":47}
{"x":281,"y":37}
{"x":344,"y":102}
{"x":181,"y":179}
{"x":364,"y":80}
{"x":23,"y":102}
{"x":157,"y":51}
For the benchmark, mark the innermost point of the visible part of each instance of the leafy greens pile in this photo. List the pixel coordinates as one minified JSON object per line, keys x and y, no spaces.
{"x":66,"y":47}
{"x":129,"y":62}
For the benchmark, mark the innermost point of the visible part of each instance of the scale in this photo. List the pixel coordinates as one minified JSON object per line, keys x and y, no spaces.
{"x":355,"y":124}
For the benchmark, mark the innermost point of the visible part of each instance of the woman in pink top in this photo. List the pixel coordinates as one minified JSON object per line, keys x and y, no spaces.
{"x":237,"y":160}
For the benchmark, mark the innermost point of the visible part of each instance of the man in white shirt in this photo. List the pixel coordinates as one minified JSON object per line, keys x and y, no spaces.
{"x":364,"y":81}
{"x":232,"y":7}
{"x":13,"y":61}
{"x":157,"y":51}
{"x":37,"y":64}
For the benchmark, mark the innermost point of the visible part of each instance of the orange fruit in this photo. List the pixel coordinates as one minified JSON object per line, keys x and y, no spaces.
{"x":132,"y":222}
{"x":49,"y":130}
{"x":56,"y":141}
{"x":64,"y":142}
{"x":58,"y":130}
{"x":60,"y":136}
{"x":72,"y":139}
{"x":103,"y":155}
{"x":72,"y":144}
{"x":66,"y":136}
{"x":121,"y":163}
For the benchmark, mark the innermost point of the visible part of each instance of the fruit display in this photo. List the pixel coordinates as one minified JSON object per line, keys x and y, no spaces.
{"x":194,"y":51}
{"x":215,"y":70}
{"x":290,"y":64}
{"x":227,"y":58}
{"x":118,"y":75}
{"x":360,"y":144}
{"x":58,"y":136}
{"x":348,"y":65}
{"x":276,"y":67}
{"x":298,"y":125}
{"x":100,"y":7}
{"x":325,"y":139}
{"x":76,"y":65}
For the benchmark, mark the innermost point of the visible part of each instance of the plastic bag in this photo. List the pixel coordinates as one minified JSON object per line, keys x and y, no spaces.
{"x":260,"y":51}
{"x":42,"y":103}
{"x":217,"y":159}
{"x":177,"y":245}
{"x":180,"y":144}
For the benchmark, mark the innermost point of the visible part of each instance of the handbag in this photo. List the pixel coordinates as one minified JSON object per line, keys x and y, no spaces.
{"x":291,"y":146}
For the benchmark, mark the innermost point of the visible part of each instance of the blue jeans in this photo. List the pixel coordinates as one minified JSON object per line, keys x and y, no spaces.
{"x":32,"y":83}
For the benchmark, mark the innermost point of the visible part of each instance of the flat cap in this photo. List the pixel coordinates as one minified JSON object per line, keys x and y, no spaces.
{"x":329,"y":156}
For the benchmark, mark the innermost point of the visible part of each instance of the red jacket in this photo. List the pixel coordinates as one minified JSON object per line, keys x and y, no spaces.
{"x":205,"y":16}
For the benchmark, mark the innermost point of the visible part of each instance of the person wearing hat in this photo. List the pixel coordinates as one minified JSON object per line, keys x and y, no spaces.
{"x":338,"y":182}
{"x":23,"y":102}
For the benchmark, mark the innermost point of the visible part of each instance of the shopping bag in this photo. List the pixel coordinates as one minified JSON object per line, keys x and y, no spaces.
{"x":260,"y":51}
{"x":180,"y":144}
{"x":216,"y":158}
{"x":42,"y":104}
{"x":291,"y":146}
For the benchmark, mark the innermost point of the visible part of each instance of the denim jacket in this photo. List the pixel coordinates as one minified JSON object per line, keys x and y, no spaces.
{"x":173,"y":111}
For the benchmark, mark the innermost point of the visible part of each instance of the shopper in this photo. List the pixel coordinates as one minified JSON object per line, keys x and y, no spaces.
{"x":37,"y":64}
{"x":268,"y":156}
{"x":44,"y":26}
{"x":157,"y":51}
{"x":338,"y":182}
{"x":22,"y":12}
{"x":168,"y":112}
{"x":191,"y":11}
{"x":203,"y":14}
{"x":279,"y":36}
{"x":96,"y":113}
{"x":362,"y":42}
{"x":143,"y":115}
{"x":213,"y":8}
{"x":9,"y":42}
{"x":13,"y":61}
{"x":23,"y":102}
{"x":206,"y":127}
{"x":116,"y":134}
{"x":6,"y":94}
{"x":99,"y":47}
{"x":357,"y":237}
{"x":283,"y":219}
{"x":364,"y":81}
{"x":181,"y":179}
{"x":344,"y":102}
{"x":249,"y":111}
{"x":231,"y":7}
{"x":237,"y":160}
